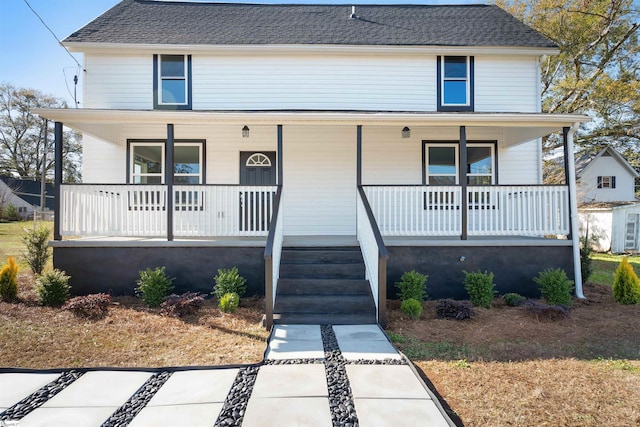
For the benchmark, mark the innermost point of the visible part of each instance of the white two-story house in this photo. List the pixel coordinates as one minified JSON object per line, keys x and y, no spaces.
{"x":322,"y":149}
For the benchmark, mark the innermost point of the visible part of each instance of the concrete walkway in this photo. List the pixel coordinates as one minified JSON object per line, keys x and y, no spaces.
{"x":311,"y":376}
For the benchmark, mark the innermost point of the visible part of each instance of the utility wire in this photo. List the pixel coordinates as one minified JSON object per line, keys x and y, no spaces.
{"x":52,"y":33}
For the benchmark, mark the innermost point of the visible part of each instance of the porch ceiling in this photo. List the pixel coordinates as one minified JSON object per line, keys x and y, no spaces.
{"x":111,"y":125}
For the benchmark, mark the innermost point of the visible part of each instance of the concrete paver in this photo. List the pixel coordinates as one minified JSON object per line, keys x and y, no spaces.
{"x":192,"y":415}
{"x":398,"y":412}
{"x":76,"y":416}
{"x":198,"y":386}
{"x":385,"y":382}
{"x":296,"y":342}
{"x":288,"y":411}
{"x":20,"y":386}
{"x":364,"y":342}
{"x":291,"y":381}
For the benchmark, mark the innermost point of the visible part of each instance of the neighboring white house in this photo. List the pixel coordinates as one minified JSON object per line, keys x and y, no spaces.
{"x":217,"y":134}
{"x":25,"y":195}
{"x":609,"y":210}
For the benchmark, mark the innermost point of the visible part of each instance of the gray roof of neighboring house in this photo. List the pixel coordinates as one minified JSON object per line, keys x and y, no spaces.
{"x":189,"y":23}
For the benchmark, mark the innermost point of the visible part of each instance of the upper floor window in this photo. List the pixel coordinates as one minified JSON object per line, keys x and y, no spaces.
{"x":172,"y":82}
{"x":455,"y":83}
{"x":606,"y":182}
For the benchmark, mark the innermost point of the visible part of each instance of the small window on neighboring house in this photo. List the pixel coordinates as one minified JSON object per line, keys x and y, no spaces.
{"x":606,"y":182}
{"x":455,"y":83}
{"x":172,"y":81}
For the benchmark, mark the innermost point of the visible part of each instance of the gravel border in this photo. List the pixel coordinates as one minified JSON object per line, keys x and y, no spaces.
{"x":235,"y":404}
{"x":132,"y":407}
{"x":39,"y":397}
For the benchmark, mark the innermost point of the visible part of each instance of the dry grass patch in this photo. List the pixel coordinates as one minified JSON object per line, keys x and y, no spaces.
{"x":131,"y":335}
{"x":552,"y":392}
{"x":505,"y":367}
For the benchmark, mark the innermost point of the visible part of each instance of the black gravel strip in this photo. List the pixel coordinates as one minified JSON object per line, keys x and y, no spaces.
{"x":343,"y":410}
{"x":132,"y":407}
{"x":293,"y":362}
{"x":377,"y":362}
{"x":236,"y":403}
{"x":39,"y":397}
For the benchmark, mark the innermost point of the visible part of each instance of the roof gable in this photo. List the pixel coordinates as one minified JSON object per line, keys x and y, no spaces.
{"x":586,"y":160}
{"x":191,"y":23}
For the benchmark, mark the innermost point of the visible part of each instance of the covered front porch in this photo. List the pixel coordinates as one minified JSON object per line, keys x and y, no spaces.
{"x":364,"y":176}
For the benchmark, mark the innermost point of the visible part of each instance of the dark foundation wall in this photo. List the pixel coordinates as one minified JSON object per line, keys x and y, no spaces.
{"x":115,"y":269}
{"x":514,"y":267}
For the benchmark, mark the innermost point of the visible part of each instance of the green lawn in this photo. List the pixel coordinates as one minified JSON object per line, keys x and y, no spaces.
{"x":11,"y":240}
{"x":604,"y":267}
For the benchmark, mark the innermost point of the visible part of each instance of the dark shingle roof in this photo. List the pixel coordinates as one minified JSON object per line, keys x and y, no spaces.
{"x":29,"y":190}
{"x":171,"y":22}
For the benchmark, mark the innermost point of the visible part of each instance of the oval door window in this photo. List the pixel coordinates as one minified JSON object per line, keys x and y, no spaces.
{"x":258,"y":159}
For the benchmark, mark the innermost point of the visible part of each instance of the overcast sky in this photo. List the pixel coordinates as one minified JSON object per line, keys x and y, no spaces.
{"x":31,"y":57}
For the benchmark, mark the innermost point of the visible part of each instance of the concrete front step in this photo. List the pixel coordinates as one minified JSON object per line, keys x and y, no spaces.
{"x":323,"y":287}
{"x":329,"y":304}
{"x":337,"y":255}
{"x":322,"y":271}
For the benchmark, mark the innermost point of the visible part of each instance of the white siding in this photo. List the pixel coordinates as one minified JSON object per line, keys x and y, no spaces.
{"x":520,"y":164}
{"x":353,"y":82}
{"x":588,"y":190}
{"x":118,"y":82}
{"x":506,"y":84}
{"x":102,"y":162}
{"x":319,"y":181}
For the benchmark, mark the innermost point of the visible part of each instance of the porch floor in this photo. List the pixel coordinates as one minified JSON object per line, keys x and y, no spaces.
{"x":308,"y":241}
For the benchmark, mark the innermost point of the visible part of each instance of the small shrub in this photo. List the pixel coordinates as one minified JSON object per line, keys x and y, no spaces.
{"x":229,"y":302}
{"x":412,"y":308}
{"x":513,"y":300}
{"x":450,"y":309}
{"x":52,"y":287}
{"x":181,"y":305}
{"x":10,"y":213}
{"x":626,"y":285}
{"x":228,"y":281}
{"x":412,"y":285}
{"x":555,"y":287}
{"x":94,"y":306}
{"x":37,"y":244}
{"x":586,"y":267}
{"x":9,"y":280}
{"x":154,"y":286}
{"x":479,"y":286}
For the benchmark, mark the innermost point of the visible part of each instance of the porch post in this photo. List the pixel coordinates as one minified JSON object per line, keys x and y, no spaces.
{"x":462,"y":173}
{"x":570,"y":172}
{"x":280,"y":169}
{"x":168,"y":180}
{"x":359,"y":155}
{"x":57,"y":181}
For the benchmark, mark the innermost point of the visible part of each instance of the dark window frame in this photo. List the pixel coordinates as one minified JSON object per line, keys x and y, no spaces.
{"x":611,"y":185}
{"x":203,"y":142}
{"x":157,"y":105}
{"x":440,"y":85}
{"x":426,"y":143}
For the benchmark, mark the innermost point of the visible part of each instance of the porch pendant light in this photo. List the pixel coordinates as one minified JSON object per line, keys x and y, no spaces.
{"x":245,"y":131}
{"x":406,"y":132}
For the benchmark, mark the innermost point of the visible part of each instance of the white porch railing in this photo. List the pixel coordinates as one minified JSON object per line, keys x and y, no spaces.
{"x":272,"y":256}
{"x":518,"y":210}
{"x":141,"y":210}
{"x":416,"y":210}
{"x":491,"y":210}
